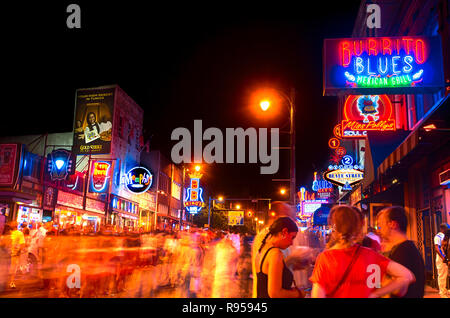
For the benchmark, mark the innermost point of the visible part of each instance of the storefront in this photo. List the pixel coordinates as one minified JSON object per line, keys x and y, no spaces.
{"x":124,"y":213}
{"x":29,"y":215}
{"x":69,"y":212}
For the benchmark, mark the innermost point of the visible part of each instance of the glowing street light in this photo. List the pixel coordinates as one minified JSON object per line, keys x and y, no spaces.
{"x":220,"y":199}
{"x":283,"y":191}
{"x":197,"y":168}
{"x":274,"y":95}
{"x":238,"y":206}
{"x":265,"y":104}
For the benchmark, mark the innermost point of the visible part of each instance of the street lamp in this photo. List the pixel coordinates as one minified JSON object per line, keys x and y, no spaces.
{"x":265,"y":104}
{"x":283,"y":191}
{"x":238,"y":206}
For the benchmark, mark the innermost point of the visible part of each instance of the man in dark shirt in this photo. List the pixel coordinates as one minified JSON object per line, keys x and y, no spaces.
{"x":392,"y":223}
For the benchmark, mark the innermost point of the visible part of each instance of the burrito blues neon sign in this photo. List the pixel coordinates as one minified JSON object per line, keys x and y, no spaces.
{"x":382,"y":63}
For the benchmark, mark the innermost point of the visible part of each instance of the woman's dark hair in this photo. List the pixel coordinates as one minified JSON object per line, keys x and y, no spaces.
{"x":91,"y":127}
{"x":277,"y":226}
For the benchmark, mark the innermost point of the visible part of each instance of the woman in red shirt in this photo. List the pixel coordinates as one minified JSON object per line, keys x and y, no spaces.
{"x":347,"y":270}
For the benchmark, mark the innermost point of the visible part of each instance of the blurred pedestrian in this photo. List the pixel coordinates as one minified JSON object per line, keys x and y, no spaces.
{"x":2,"y":221}
{"x":349,"y":270}
{"x":392,"y":222}
{"x":17,"y":248}
{"x":274,"y":279}
{"x":442,"y":267}
{"x":371,"y":240}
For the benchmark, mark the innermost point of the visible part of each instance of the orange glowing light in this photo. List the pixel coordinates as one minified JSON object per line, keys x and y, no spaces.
{"x":265,"y":104}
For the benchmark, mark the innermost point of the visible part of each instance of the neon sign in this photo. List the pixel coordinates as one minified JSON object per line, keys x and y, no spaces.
{"x":60,"y":163}
{"x":367,"y":112}
{"x":138,"y":180}
{"x":377,"y":65}
{"x":346,"y":174}
{"x":310,"y":206}
{"x":101,"y":172}
{"x":194,"y":200}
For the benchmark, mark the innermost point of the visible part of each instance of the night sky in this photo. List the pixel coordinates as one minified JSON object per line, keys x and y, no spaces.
{"x":179,"y":62}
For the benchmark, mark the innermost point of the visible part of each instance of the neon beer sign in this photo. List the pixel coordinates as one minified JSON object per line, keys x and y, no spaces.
{"x":383,"y":65}
{"x":367,"y":112}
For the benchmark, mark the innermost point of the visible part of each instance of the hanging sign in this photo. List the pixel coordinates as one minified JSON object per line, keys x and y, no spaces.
{"x":138,"y":180}
{"x":383,"y":65}
{"x":100,"y":176}
{"x":345,"y":175}
{"x":194,"y":200}
{"x":9,"y":154}
{"x":60,"y":163}
{"x":364,"y":113}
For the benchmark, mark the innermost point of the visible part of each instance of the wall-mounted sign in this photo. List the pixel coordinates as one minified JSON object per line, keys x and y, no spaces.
{"x":60,"y":163}
{"x":337,"y":131}
{"x":194,"y":200}
{"x":333,"y":143}
{"x":138,"y":180}
{"x":176,"y":190}
{"x":345,"y":175}
{"x":383,"y":65}
{"x":99,"y":176}
{"x":309,"y":207}
{"x":323,"y":188}
{"x":367,"y":112}
{"x":8,"y":164}
{"x":93,"y":121}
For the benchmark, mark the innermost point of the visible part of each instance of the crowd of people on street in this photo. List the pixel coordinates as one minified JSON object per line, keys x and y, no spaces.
{"x":354,"y":263}
{"x":44,"y":262}
{"x":281,"y":261}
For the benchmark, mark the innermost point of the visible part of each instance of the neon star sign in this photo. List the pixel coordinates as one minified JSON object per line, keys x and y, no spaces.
{"x":380,"y":65}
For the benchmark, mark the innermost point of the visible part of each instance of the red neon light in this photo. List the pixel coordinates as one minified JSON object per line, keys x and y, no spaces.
{"x":384,"y":46}
{"x":333,"y":143}
{"x":353,"y":120}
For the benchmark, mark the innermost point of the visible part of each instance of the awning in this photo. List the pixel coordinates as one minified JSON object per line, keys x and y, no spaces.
{"x":14,"y":196}
{"x":439,"y":115}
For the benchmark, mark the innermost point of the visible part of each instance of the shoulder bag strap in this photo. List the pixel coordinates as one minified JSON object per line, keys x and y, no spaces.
{"x":349,"y":268}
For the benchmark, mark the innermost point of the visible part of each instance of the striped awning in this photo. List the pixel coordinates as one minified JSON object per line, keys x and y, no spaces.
{"x":438,"y":111}
{"x":405,"y":147}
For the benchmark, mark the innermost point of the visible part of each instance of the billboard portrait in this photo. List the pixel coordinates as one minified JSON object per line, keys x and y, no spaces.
{"x":93,"y":121}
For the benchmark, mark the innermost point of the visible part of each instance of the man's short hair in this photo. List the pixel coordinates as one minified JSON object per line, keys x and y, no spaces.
{"x":443,"y":227}
{"x":397,"y":214}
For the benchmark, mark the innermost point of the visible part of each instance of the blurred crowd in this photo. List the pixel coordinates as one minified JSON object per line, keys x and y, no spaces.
{"x":39,"y":261}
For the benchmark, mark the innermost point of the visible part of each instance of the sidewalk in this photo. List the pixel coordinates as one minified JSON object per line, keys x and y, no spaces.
{"x":431,"y":292}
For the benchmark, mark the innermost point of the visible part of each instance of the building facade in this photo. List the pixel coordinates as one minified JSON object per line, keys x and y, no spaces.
{"x":409,"y":167}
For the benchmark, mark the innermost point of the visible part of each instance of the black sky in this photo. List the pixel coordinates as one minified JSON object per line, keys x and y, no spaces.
{"x":179,"y":62}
